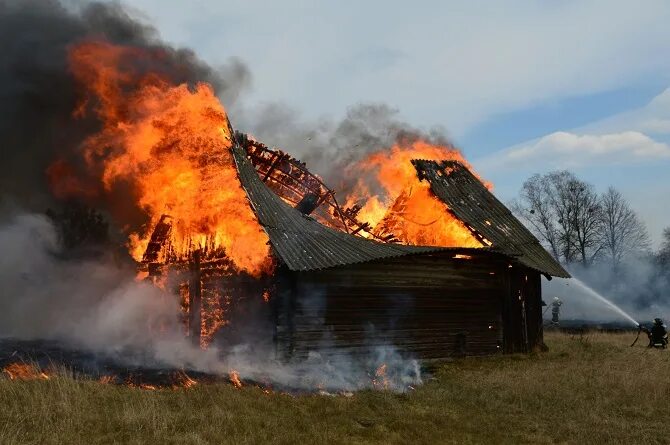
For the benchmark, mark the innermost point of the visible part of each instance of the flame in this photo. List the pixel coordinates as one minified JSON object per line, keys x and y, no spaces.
{"x":131,"y":384}
{"x":188,"y":383}
{"x":213,"y":315}
{"x":178,"y":380}
{"x":463,"y":257}
{"x":235,"y":379}
{"x":107,"y":379}
{"x":172,"y":145}
{"x":24,"y":371}
{"x":397,"y":202}
{"x":380,"y":380}
{"x":183,"y":380}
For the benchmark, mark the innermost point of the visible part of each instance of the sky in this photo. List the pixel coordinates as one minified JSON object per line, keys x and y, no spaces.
{"x":522,"y":87}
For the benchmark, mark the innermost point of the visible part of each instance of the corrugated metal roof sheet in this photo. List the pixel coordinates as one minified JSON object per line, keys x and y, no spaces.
{"x":303,"y":243}
{"x":471,"y":202}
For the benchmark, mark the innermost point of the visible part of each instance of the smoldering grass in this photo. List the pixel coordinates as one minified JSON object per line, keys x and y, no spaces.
{"x":606,"y":393}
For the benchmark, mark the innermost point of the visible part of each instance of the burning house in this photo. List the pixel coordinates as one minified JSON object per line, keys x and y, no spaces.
{"x":252,"y":242}
{"x":338,"y":284}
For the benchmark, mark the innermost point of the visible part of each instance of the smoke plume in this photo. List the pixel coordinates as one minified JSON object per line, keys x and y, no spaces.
{"x":638,"y":286}
{"x":97,"y":305}
{"x":38,"y":94}
{"x":330,"y":147}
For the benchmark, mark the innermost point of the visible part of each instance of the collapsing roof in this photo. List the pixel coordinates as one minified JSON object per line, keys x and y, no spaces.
{"x":471,"y":202}
{"x":301,"y":242}
{"x":304,"y":244}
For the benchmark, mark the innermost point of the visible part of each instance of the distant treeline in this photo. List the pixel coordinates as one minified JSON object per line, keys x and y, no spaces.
{"x":598,"y":236}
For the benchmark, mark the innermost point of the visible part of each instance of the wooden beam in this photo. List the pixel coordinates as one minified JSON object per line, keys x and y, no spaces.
{"x":195,"y":299}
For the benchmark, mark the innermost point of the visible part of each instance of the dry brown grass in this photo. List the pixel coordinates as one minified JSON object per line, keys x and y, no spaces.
{"x":587,"y":389}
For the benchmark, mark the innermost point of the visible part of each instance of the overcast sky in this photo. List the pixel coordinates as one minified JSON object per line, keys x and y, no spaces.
{"x":520,"y":86}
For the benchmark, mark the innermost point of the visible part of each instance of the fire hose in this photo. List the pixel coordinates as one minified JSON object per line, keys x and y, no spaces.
{"x":639,"y":330}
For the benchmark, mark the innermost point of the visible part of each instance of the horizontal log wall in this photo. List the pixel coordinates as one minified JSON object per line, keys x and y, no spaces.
{"x":432,"y":306}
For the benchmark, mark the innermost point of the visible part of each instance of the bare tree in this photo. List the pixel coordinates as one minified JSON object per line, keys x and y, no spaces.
{"x":561,"y":186}
{"x":535,"y":206}
{"x":622,"y":232}
{"x":583,"y":218}
{"x":664,"y":251}
{"x":564,"y":212}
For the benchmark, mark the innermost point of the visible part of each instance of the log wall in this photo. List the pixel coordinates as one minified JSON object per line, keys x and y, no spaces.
{"x":522,"y":311}
{"x":433,"y":306}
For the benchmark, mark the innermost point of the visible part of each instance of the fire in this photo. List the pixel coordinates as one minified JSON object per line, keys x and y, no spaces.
{"x":168,"y":146}
{"x":188,"y":383}
{"x":183,"y":380}
{"x":212,"y":316}
{"x":462,"y":257}
{"x":235,"y":379}
{"x":397,"y":202}
{"x":380,"y":380}
{"x":176,"y":380}
{"x":172,"y":145}
{"x":146,"y":386}
{"x":24,"y":371}
{"x":107,"y":379}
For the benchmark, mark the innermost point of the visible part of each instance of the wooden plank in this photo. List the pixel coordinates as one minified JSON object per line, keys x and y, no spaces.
{"x":422,"y":305}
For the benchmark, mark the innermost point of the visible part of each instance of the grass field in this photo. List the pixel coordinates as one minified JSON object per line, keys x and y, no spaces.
{"x":586,"y":389}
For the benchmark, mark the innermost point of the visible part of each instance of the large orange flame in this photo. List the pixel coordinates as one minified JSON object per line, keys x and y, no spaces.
{"x":173,"y":144}
{"x":397,"y":202}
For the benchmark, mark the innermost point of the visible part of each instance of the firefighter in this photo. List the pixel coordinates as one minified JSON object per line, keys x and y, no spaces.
{"x":658,"y":334}
{"x":555,"y":310}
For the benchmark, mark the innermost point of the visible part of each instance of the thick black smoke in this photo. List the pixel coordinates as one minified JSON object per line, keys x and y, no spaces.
{"x":94,"y":302}
{"x":38,"y":93}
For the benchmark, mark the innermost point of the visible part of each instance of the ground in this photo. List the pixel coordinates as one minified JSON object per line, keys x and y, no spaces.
{"x":592,"y":388}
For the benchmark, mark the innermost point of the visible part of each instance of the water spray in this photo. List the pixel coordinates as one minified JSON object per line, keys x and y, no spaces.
{"x":604,"y":300}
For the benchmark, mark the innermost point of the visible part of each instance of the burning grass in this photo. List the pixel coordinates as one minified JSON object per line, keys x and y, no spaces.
{"x":587,"y":389}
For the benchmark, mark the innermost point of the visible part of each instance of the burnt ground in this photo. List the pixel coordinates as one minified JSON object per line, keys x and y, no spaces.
{"x":53,"y":356}
{"x":592,"y":388}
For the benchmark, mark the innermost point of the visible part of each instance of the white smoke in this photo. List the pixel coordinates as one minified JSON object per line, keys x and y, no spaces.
{"x":97,"y":305}
{"x":638,"y":287}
